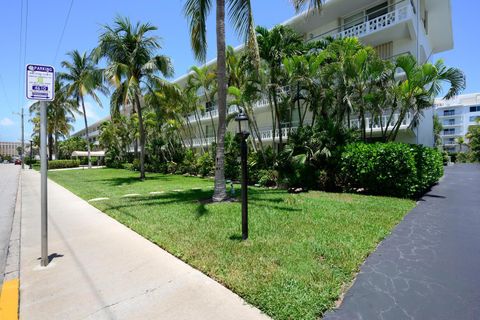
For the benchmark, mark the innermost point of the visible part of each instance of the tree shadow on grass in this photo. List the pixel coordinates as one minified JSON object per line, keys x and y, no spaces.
{"x":118,"y":181}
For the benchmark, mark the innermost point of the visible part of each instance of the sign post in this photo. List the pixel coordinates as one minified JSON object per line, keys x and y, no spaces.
{"x":40,"y":86}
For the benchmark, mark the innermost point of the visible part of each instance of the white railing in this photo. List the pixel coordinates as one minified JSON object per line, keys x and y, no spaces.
{"x":265,"y":135}
{"x":375,"y":124}
{"x":391,"y":18}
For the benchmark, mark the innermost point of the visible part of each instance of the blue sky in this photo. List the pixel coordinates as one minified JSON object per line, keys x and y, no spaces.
{"x":46,"y":20}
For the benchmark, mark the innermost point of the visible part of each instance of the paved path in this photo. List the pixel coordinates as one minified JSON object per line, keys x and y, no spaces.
{"x":103,"y":270}
{"x":429,"y":268}
{"x":9,"y":175}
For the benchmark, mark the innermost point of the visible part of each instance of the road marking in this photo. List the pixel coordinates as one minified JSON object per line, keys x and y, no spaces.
{"x":9,"y":300}
{"x":98,"y":199}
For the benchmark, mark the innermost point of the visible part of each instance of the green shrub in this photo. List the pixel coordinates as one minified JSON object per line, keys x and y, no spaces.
{"x":394,"y":169}
{"x":61,"y":164}
{"x":268,"y":178}
{"x":205,"y":164}
{"x":189,"y":163}
{"x":465,"y":157}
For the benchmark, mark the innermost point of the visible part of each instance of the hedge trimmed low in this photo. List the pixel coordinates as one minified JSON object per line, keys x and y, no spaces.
{"x":394,"y":169}
{"x":61,"y":164}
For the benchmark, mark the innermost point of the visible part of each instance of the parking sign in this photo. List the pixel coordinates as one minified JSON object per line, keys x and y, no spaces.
{"x":40,"y":82}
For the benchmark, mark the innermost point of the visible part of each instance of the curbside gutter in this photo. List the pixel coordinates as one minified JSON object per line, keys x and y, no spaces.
{"x":10,"y":291}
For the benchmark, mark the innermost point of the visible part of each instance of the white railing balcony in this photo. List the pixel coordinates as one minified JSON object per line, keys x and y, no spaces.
{"x":375,"y":124}
{"x":397,"y":13}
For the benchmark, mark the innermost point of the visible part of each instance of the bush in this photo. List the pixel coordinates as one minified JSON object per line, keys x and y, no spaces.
{"x":394,"y":169}
{"x":205,"y":164}
{"x":61,"y":164}
{"x":465,"y":157}
{"x":189,"y":163}
{"x":268,"y":178}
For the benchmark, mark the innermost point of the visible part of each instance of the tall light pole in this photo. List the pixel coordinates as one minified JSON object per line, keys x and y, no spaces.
{"x":22,"y":153}
{"x":242,"y":135}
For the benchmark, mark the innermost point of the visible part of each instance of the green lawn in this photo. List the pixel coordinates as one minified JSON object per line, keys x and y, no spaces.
{"x":302,"y":251}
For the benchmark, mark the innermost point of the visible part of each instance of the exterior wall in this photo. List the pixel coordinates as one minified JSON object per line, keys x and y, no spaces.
{"x":403,"y":29}
{"x":10,"y":148}
{"x":456,"y":116}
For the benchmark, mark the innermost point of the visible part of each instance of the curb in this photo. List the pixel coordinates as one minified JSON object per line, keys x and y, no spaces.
{"x":10,"y":292}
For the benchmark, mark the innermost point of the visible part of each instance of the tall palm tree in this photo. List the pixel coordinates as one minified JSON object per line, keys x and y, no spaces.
{"x":60,"y":115}
{"x":83,"y":79}
{"x":133,"y":68}
{"x":240,"y":13}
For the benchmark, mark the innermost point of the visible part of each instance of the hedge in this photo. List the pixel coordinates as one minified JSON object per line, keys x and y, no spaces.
{"x":61,"y":164}
{"x":394,"y":169}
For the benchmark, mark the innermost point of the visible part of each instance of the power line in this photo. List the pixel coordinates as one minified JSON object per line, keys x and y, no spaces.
{"x":20,"y":37}
{"x":5,"y":91}
{"x":63,"y":31}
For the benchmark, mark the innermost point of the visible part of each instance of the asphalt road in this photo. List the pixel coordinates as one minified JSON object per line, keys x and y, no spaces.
{"x":429,"y":267}
{"x":9,"y":177}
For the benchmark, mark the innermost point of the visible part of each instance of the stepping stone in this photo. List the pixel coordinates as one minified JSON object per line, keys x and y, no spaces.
{"x":131,"y":195}
{"x":196,"y":189}
{"x":177,"y":190}
{"x":157,"y":192}
{"x":98,"y":199}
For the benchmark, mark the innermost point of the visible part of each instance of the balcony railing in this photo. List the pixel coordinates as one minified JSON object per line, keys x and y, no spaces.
{"x":396,"y":14}
{"x":265,"y":134}
{"x":375,"y":123}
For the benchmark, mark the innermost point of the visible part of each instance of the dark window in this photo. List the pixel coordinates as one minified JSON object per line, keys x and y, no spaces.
{"x":475,"y":109}
{"x":449,"y":112}
{"x":377,"y":11}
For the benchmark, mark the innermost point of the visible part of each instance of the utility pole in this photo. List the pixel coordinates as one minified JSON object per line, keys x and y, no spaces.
{"x":22,"y":154}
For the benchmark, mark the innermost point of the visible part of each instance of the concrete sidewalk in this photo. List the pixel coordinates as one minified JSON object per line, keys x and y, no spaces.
{"x":103,"y":270}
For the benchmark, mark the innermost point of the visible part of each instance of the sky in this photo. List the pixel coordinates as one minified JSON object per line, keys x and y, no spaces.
{"x":49,"y":35}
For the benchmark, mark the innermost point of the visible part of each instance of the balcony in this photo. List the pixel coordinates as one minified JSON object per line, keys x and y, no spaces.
{"x":399,"y":20}
{"x":375,"y":125}
{"x":266,"y":135}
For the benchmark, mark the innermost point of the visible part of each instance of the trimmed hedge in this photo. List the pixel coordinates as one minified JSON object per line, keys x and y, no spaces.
{"x":61,"y":164}
{"x":394,"y":169}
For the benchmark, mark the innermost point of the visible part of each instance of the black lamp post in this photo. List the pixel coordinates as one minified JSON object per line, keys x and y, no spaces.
{"x":31,"y":154}
{"x":242,"y":135}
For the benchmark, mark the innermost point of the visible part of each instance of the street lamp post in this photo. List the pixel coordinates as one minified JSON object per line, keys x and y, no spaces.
{"x":31,"y":153}
{"x":242,"y":135}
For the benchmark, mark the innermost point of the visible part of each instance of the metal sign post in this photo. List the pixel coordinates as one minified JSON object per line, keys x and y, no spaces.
{"x":40,"y":86}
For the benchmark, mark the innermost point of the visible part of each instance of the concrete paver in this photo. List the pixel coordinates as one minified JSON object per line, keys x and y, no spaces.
{"x":103,"y":270}
{"x":429,"y":267}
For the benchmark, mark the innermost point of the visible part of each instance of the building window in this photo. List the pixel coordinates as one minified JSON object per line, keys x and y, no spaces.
{"x":449,"y":131}
{"x":365,"y":15}
{"x":449,"y":122}
{"x":474,"y":118}
{"x":450,"y":112}
{"x":475,"y":109}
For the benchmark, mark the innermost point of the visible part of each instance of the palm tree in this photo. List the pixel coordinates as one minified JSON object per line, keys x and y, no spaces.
{"x":460,"y":141}
{"x":275,"y":45}
{"x":421,"y":83}
{"x":83,"y":79}
{"x":240,"y":12}
{"x":204,"y":79}
{"x":133,"y":68}
{"x":60,"y":115}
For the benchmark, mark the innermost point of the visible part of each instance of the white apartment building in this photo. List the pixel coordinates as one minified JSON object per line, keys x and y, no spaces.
{"x":10,"y":148}
{"x":456,"y":115}
{"x":393,"y":27}
{"x":93,"y":132}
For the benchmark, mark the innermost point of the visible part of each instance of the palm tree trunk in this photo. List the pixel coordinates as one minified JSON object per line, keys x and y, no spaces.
{"x":220,"y":192}
{"x":142,"y":137}
{"x":86,"y":132}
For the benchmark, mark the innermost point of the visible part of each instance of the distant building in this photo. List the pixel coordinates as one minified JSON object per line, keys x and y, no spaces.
{"x":456,"y":115}
{"x":10,"y":148}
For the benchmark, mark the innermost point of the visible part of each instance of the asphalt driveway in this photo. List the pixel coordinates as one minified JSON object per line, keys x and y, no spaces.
{"x":429,"y":268}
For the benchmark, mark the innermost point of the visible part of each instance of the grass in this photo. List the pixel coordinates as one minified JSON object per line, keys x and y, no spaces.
{"x":302,"y":251}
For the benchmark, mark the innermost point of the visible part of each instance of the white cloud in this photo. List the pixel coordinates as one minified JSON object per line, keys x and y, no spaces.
{"x":6,"y":122}
{"x":91,"y":112}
